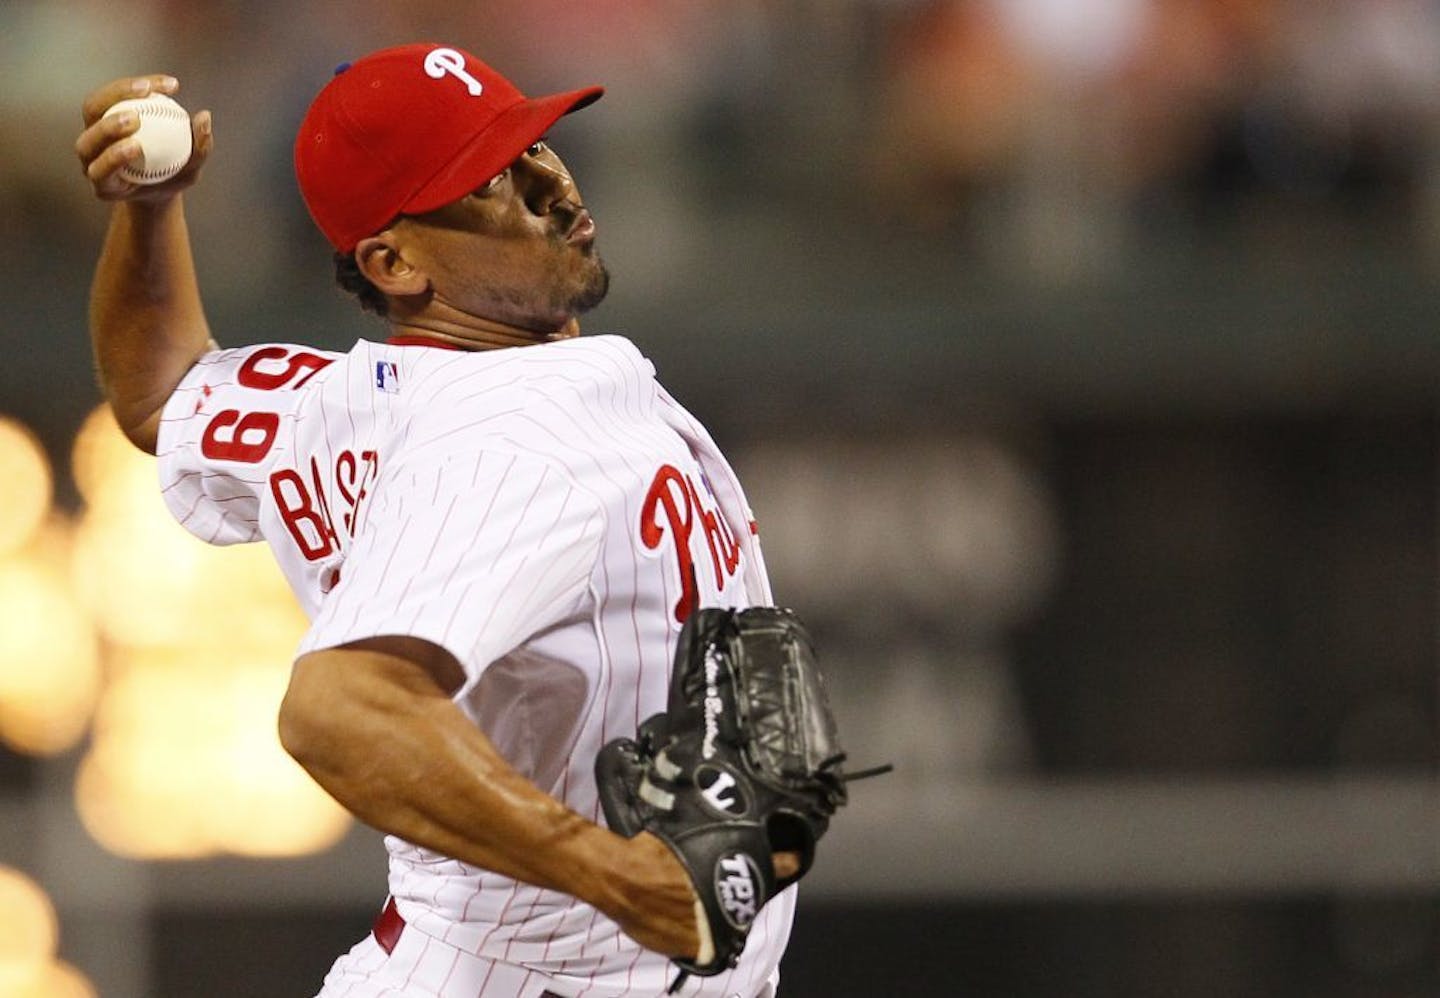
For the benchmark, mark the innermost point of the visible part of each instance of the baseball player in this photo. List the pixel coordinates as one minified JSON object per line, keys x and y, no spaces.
{"x":496,"y":528}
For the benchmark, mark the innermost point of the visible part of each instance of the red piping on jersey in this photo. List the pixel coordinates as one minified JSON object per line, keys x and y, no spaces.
{"x":421,"y":341}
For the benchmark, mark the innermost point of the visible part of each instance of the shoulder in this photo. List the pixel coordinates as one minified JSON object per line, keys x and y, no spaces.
{"x":599,"y":378}
{"x":528,"y":377}
{"x":596,"y":358}
{"x":610,"y":362}
{"x":260,"y":376}
{"x":247,"y":376}
{"x":261,"y":363}
{"x":607,"y":345}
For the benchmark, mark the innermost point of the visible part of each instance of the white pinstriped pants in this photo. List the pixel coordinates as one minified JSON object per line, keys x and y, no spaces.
{"x":423,"y":967}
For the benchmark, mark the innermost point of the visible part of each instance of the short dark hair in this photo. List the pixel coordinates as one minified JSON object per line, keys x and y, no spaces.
{"x":349,"y":277}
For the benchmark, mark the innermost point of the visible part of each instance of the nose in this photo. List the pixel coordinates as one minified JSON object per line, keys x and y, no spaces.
{"x":547,"y":183}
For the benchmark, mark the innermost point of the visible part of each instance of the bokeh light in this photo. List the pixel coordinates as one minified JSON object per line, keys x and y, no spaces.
{"x":185,"y":763}
{"x":29,"y":936}
{"x":29,"y":930}
{"x":102,"y":455}
{"x":49,"y":660}
{"x":53,"y":980}
{"x":28,"y":484}
{"x":150,"y":583}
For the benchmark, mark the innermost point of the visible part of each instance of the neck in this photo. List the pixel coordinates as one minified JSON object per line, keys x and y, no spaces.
{"x":473,"y":332}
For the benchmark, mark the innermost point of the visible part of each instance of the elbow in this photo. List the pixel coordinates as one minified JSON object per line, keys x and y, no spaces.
{"x":303,"y":720}
{"x":144,"y":435}
{"x":340,"y":701}
{"x":295,"y":731}
{"x":140,"y":424}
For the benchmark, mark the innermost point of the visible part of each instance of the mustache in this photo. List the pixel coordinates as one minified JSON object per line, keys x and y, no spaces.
{"x":567,"y":215}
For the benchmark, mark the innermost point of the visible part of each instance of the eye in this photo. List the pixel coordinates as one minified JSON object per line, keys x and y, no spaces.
{"x":538,"y":148}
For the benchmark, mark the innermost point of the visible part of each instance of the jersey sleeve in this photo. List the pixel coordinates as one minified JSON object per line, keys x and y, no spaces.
{"x":217,"y":501}
{"x":476,"y":554}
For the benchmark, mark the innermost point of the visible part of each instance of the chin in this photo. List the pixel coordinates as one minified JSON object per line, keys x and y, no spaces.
{"x":593,"y":292}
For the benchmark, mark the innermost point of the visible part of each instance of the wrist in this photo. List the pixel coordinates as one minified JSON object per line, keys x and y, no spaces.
{"x":148,"y":210}
{"x":624,"y":877}
{"x":611,"y":878}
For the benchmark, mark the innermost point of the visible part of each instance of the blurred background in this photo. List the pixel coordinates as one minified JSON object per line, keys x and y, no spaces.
{"x":1081,"y":361}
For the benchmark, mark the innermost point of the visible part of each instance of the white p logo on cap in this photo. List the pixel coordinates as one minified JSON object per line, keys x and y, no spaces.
{"x":439,"y":62}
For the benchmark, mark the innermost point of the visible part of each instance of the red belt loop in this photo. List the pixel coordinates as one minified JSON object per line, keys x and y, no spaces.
{"x":388,"y":926}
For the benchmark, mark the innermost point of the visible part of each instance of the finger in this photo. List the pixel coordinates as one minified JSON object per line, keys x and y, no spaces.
{"x":100,"y":100}
{"x":103,"y":133}
{"x":202,"y":132}
{"x":787,"y":864}
{"x":102,"y":170}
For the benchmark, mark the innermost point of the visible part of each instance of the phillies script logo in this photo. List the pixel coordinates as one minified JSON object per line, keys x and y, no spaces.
{"x":673,"y":510}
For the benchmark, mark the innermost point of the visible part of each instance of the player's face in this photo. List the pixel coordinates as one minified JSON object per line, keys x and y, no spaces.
{"x":520,"y":250}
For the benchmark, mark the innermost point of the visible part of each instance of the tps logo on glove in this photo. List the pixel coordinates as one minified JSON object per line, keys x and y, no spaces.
{"x":737,"y":888}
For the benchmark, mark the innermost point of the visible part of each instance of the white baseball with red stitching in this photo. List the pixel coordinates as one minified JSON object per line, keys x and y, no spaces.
{"x":164,"y":136}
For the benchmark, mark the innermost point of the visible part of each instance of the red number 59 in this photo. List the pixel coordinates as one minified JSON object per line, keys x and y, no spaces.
{"x":247,"y":438}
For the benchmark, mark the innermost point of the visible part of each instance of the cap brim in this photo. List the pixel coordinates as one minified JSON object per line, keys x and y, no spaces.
{"x":516,"y":129}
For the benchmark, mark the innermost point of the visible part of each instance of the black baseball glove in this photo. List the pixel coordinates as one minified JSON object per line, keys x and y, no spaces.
{"x":744,"y":762}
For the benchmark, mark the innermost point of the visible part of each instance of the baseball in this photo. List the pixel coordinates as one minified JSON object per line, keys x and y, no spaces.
{"x":164,"y":137}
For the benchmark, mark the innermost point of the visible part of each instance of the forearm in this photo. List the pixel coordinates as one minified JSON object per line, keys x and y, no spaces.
{"x":390,"y":746}
{"x":147,"y":325}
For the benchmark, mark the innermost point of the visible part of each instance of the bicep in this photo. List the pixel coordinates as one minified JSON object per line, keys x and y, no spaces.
{"x":339,"y":690}
{"x":417,"y":660}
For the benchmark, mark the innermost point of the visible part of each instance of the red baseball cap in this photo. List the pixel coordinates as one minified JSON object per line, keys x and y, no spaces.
{"x":408,"y":129}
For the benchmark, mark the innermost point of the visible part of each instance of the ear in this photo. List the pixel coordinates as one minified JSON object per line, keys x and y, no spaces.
{"x":382,"y":263}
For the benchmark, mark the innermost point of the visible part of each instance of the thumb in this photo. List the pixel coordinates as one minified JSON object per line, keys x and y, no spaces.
{"x":202,"y":131}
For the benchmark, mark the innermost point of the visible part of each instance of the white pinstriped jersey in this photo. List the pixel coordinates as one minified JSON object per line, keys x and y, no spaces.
{"x":548,"y":514}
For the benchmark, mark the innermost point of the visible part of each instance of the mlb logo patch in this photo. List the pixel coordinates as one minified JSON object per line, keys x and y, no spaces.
{"x":387,"y":376}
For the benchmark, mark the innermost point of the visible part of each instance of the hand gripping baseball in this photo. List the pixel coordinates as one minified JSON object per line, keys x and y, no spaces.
{"x":743,"y":764}
{"x":110,"y":147}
